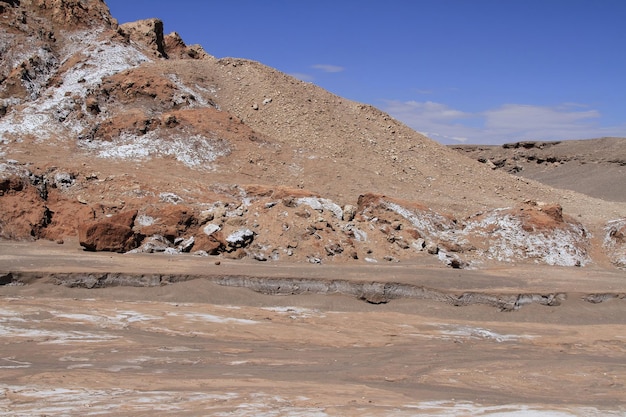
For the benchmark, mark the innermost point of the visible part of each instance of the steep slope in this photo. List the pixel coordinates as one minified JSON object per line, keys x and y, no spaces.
{"x":231,"y":157}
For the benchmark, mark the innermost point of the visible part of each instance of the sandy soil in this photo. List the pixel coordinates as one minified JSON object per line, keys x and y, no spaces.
{"x":199,"y":348}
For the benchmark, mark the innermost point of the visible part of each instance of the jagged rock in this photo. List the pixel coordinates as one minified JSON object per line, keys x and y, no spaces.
{"x":176,"y":48}
{"x":113,"y":234}
{"x":213,"y":244}
{"x":240,"y":238}
{"x":185,"y":245}
{"x":401,"y":242}
{"x":148,"y":32}
{"x":153,"y":244}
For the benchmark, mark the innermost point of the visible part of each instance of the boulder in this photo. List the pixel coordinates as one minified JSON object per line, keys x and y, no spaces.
{"x":213,"y":244}
{"x":170,"y":221}
{"x":112,"y":234}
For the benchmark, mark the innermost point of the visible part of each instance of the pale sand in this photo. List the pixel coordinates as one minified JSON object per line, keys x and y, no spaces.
{"x":198,"y":348}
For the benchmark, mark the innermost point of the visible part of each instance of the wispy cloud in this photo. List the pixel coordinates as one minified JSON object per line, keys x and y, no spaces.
{"x":328,"y":68}
{"x":435,"y":120}
{"x":507,"y":123}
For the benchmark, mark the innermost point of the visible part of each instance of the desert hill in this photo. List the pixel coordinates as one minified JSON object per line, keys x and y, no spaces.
{"x":133,"y":140}
{"x":596,"y":167}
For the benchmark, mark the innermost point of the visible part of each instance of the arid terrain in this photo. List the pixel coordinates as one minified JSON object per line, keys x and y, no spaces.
{"x":596,"y":167}
{"x":182,"y":234}
{"x":303,"y":343}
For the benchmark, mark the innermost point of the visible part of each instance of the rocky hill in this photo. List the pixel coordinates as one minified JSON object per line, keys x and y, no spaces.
{"x":135,"y":141}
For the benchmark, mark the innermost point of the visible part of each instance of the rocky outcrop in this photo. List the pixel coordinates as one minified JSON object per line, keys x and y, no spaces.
{"x":112,"y":234}
{"x":148,"y":32}
{"x":23,"y":210}
{"x":176,"y":48}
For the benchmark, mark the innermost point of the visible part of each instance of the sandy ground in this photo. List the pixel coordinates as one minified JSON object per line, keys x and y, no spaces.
{"x":198,"y":348}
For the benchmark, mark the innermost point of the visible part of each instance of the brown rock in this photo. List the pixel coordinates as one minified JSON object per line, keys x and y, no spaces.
{"x":23,"y":212}
{"x":213,"y":244}
{"x":171,"y":221}
{"x":113,"y":234}
{"x":148,"y":32}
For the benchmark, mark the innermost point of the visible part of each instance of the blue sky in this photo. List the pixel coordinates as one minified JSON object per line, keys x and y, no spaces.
{"x":459,"y":71}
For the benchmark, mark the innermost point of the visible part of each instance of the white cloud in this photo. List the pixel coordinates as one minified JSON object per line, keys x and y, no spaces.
{"x":507,"y":123}
{"x":328,"y":68}
{"x":435,"y":120}
{"x":525,"y":117}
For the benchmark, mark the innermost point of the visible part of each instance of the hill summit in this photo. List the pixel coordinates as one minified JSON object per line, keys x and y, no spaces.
{"x":132,"y":140}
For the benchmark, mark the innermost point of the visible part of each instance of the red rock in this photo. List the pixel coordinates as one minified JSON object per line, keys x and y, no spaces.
{"x":213,"y":244}
{"x":113,"y":234}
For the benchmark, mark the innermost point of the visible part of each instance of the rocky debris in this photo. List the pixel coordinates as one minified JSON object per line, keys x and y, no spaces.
{"x":321,"y":205}
{"x":240,"y":238}
{"x":113,"y":234}
{"x":63,"y":180}
{"x":184,"y":245}
{"x":311,"y":228}
{"x":153,"y":244}
{"x":535,"y":231}
{"x":528,"y":232}
{"x":615,"y":242}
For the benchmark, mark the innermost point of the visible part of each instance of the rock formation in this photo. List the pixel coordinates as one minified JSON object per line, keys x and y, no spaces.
{"x":131,"y":140}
